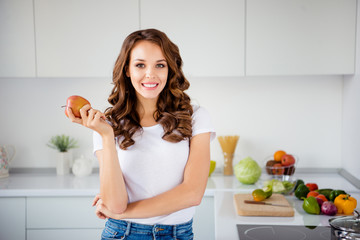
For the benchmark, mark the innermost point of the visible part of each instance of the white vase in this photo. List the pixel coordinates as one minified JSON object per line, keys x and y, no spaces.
{"x":63,"y":163}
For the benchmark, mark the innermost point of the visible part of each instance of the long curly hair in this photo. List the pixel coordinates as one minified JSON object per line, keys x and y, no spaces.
{"x":174,"y":110}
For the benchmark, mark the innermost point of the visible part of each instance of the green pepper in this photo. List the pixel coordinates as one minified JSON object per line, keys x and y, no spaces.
{"x":325,"y":191}
{"x":311,"y":205}
{"x":335,"y":193}
{"x":298,"y":182}
{"x":301,"y":191}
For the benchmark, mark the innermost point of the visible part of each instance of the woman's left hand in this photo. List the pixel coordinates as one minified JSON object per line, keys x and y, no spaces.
{"x":102,"y":211}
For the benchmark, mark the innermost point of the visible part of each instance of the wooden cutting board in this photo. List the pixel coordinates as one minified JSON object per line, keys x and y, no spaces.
{"x":246,"y":209}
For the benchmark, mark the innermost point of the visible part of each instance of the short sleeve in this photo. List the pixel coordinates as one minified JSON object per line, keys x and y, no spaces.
{"x":201,"y":122}
{"x":97,"y":142}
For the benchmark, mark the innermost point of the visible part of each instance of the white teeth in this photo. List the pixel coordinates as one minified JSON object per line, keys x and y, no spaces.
{"x":149,"y":85}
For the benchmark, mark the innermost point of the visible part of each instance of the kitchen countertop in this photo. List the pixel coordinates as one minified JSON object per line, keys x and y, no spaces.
{"x":222,"y":188}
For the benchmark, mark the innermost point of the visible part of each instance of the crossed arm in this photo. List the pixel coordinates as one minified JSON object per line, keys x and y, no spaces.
{"x":188,"y":193}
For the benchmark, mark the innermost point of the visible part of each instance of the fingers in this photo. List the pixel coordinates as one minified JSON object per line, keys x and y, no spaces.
{"x":96,"y":199}
{"x":72,"y":116}
{"x":84,"y":112}
{"x":100,"y":208}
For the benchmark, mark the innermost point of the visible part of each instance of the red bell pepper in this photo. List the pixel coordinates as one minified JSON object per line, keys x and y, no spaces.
{"x":312,"y":186}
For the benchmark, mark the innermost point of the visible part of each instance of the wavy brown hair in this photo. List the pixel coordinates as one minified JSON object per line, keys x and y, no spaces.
{"x":174,"y":110}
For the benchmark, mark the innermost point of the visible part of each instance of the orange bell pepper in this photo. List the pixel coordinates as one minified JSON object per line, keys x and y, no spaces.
{"x":345,"y":204}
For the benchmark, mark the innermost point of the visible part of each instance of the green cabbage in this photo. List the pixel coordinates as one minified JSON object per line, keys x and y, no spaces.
{"x":247,"y":171}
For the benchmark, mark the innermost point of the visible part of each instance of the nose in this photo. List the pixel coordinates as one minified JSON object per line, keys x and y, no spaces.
{"x":149,"y":73}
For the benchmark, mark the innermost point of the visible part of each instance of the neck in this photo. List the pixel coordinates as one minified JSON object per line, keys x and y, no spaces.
{"x":146,"y":107}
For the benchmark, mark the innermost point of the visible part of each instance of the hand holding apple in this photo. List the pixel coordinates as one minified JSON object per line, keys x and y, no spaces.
{"x":75,"y":103}
{"x":79,"y":110}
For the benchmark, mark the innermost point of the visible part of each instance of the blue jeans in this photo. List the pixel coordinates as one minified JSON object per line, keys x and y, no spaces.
{"x":119,"y":229}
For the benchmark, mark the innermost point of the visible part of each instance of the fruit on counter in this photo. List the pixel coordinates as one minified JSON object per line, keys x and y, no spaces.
{"x":335,"y":193}
{"x":75,"y":103}
{"x":312,"y":193}
{"x":287,"y":160}
{"x":278,"y":155}
{"x":212,"y":167}
{"x":277,"y":169}
{"x":247,"y":171}
{"x":269,"y":165}
{"x":345,"y":204}
{"x":312,"y":186}
{"x":261,"y":194}
{"x":281,"y":164}
{"x":310,"y":205}
{"x":328,"y":208}
{"x":325,"y":191}
{"x":322,"y":197}
{"x":302,"y":191}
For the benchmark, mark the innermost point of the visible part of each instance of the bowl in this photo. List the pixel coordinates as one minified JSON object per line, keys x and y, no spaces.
{"x":284,"y":185}
{"x":278,"y":171}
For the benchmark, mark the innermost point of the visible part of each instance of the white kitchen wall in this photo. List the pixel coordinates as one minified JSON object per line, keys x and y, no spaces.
{"x":351,"y":116}
{"x":301,"y":115}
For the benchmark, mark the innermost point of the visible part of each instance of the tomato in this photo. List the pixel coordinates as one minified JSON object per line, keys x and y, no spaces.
{"x":312,"y":193}
{"x":312,"y":186}
{"x":322,"y":197}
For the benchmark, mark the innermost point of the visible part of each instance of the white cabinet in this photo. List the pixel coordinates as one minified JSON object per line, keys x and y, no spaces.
{"x":61,"y":213}
{"x":300,"y":37}
{"x":12,"y":218}
{"x":81,"y":38}
{"x":204,"y":219}
{"x":61,"y":234}
{"x":17,"y":44}
{"x":209,"y":33}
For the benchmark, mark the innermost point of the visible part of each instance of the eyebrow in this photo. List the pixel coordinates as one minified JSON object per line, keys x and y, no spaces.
{"x":142,"y":60}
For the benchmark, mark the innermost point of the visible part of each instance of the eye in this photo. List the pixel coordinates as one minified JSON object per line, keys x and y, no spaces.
{"x":140,"y":65}
{"x":160,"y":65}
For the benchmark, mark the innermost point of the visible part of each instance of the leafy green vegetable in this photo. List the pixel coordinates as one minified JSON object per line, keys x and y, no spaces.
{"x":278,"y":186}
{"x":247,"y":171}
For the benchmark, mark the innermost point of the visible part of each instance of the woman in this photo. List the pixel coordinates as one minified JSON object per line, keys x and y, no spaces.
{"x":152,"y":145}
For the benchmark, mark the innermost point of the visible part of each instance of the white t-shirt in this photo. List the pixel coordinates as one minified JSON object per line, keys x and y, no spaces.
{"x":152,"y":165}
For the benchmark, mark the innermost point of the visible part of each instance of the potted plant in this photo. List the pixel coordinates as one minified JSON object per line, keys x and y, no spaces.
{"x":63,"y":143}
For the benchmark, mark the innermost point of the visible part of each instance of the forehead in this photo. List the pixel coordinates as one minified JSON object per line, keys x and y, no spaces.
{"x":146,"y":50}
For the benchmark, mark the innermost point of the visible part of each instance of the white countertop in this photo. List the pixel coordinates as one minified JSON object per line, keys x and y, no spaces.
{"x":222,"y":188}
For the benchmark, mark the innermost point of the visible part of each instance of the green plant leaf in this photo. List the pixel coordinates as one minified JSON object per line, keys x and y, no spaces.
{"x":62,"y":143}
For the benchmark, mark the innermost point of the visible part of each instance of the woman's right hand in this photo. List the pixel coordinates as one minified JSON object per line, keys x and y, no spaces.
{"x":93,"y":119}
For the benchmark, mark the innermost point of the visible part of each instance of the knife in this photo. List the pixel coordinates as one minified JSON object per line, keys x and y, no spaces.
{"x":265,"y":203}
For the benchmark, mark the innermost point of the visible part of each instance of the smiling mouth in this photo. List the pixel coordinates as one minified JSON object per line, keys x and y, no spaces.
{"x":149,"y":85}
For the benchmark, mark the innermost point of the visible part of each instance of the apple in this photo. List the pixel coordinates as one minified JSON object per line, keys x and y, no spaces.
{"x":277,"y":169}
{"x":75,"y":103}
{"x":287,"y":160}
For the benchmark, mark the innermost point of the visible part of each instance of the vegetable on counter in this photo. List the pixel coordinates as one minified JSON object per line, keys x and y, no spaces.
{"x":247,"y":171}
{"x":302,"y":191}
{"x":310,"y":205}
{"x":262,"y":194}
{"x":325,"y":191}
{"x":329,"y":208}
{"x":345,"y":204}
{"x":279,"y":186}
{"x":312,"y":186}
{"x":335,"y":193}
{"x":298,"y":182}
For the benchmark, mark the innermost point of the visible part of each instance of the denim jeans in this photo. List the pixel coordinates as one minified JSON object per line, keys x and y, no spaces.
{"x":119,"y":229}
